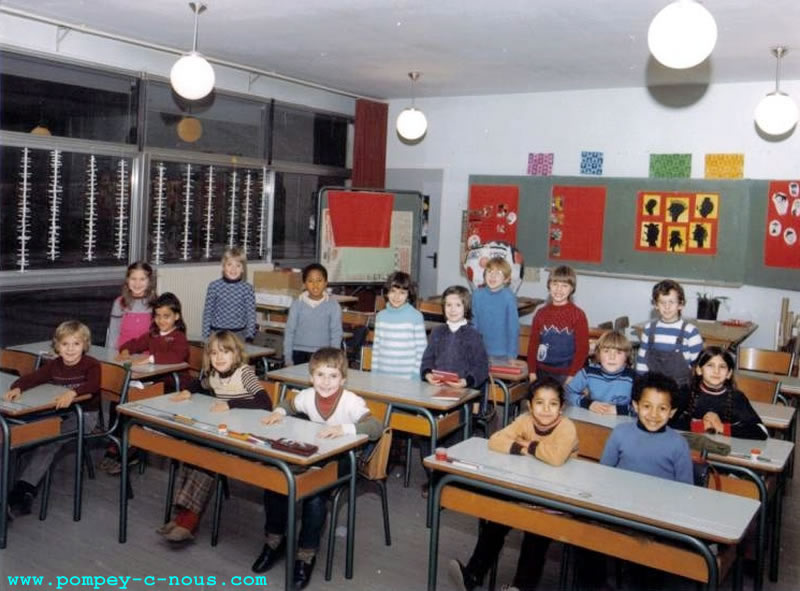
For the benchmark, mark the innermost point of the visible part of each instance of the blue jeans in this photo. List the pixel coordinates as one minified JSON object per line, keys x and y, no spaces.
{"x":315,"y":509}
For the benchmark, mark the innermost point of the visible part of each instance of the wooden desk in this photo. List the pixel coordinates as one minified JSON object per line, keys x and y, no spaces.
{"x":588,"y":492}
{"x":200,"y":444}
{"x":713,"y":332}
{"x":433,"y":305}
{"x":35,"y":401}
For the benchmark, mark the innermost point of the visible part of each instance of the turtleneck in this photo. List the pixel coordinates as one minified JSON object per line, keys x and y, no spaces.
{"x":710,"y":390}
{"x":641,"y":426}
{"x":454,"y":326}
{"x":543,"y":430}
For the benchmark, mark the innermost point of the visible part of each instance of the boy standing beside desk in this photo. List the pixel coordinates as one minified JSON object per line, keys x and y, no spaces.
{"x":494,"y":312}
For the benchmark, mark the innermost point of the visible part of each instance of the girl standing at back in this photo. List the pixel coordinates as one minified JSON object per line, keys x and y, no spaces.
{"x":715,"y":405}
{"x":230,"y":300}
{"x":131,"y":312}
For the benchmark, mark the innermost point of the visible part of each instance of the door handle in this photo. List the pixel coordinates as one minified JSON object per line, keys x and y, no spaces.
{"x":435,"y":257}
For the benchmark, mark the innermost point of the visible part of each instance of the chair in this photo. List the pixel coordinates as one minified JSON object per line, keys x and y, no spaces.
{"x":621,"y":323}
{"x":372,"y":468}
{"x":608,"y":325}
{"x":17,"y":362}
{"x":195,"y":361}
{"x":758,"y":389}
{"x":358,"y":324}
{"x":764,"y":360}
{"x":366,"y":358}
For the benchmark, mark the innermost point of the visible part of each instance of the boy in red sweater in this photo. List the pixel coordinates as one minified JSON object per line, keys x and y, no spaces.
{"x":559,"y":340}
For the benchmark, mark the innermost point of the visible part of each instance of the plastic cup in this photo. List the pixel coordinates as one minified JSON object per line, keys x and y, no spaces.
{"x":441,"y":453}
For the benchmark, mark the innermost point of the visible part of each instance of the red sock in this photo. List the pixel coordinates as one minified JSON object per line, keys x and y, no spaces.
{"x":187,"y":519}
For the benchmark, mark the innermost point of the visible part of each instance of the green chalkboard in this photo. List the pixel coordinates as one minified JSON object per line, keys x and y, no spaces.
{"x":740,"y":243}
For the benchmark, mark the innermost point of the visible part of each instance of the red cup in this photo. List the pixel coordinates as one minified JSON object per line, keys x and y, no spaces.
{"x":441,"y":454}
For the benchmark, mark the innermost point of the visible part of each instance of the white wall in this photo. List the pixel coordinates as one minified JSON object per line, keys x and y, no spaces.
{"x":494,"y":134}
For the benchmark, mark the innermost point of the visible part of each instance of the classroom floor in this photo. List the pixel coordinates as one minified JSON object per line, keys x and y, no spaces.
{"x":60,"y":547}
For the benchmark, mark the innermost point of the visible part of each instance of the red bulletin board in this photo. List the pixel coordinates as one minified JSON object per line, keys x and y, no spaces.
{"x":493,"y":212}
{"x":576,"y":223}
{"x":679,"y":223}
{"x":361,"y":219}
{"x":781,"y":248}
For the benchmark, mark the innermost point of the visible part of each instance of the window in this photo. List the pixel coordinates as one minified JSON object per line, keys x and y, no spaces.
{"x":308,"y":137}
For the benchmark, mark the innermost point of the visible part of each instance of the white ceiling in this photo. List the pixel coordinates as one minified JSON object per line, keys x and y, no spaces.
{"x":462,"y":47}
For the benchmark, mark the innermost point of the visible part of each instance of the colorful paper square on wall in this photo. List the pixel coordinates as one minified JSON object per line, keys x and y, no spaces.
{"x":540,"y":163}
{"x":724,"y":166}
{"x":576,"y":224}
{"x":592,"y":163}
{"x":670,"y":166}
{"x":781,"y":246}
{"x":679,"y":223}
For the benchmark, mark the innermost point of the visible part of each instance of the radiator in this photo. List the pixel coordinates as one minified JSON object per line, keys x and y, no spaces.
{"x":189,"y":283}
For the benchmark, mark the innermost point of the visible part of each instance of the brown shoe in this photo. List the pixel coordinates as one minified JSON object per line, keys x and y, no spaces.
{"x":179,"y":534}
{"x":166,"y":528}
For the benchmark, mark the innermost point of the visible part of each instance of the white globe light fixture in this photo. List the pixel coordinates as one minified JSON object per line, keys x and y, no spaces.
{"x":192,"y":76}
{"x":777,"y":112}
{"x":682,"y":34}
{"x":411,"y":122}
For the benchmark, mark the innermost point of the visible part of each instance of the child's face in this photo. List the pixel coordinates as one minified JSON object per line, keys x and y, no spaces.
{"x":669,"y":306}
{"x":495,"y":278}
{"x":138,"y":283}
{"x":654,"y":409}
{"x":612,"y":359}
{"x":165,"y":318}
{"x":397,"y":296}
{"x":70,"y":349}
{"x":315,"y":284}
{"x":715,"y":372}
{"x":327,"y":381}
{"x":221,"y":359}
{"x":545,"y":406}
{"x":232,"y":269}
{"x":560,"y":292}
{"x":454,"y":308}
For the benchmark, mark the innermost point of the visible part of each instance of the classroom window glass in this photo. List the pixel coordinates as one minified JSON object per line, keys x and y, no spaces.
{"x":308,"y":137}
{"x":63,"y":209}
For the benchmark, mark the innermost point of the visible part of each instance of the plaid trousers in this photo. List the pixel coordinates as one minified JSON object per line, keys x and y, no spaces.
{"x":196,"y":488}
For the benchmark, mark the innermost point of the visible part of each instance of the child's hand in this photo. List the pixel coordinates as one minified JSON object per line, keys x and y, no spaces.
{"x":532,"y":376}
{"x":568,"y":380}
{"x":123,"y":355}
{"x":330,"y":432}
{"x":461,"y":383}
{"x":432,"y":378}
{"x":64,"y":399}
{"x":711,"y":420}
{"x":180,"y":396}
{"x":220,"y":406}
{"x":12,"y":394}
{"x":272,"y":418}
{"x":603,"y":408}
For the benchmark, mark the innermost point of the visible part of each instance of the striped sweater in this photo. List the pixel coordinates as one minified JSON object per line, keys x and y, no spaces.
{"x":400,"y":342}
{"x":666,"y":336}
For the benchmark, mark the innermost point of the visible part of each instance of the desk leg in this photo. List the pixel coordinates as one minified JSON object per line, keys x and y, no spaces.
{"x":467,"y":421}
{"x":434,"y":440}
{"x":123,"y":484}
{"x":351,"y":516}
{"x":4,"y":473}
{"x":775,"y":537}
{"x":433,"y":548}
{"x":176,"y":376}
{"x":291,"y":530}
{"x":76,"y":504}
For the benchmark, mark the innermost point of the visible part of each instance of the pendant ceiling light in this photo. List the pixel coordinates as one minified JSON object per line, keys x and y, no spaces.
{"x":776,"y":113}
{"x":411,"y":122}
{"x":682,"y":34}
{"x":192,"y":76}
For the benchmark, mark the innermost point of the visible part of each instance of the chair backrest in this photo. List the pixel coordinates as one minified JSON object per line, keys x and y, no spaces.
{"x":524,"y":339}
{"x":757,"y":389}
{"x":778,"y":362}
{"x":366,"y":358}
{"x":114,"y":379}
{"x":622,"y":323}
{"x":21,"y":363}
{"x":608,"y":325}
{"x":195,"y":361}
{"x":374,"y":466}
{"x":273,"y":390}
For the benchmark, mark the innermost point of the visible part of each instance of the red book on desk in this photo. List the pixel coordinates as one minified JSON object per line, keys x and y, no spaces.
{"x":293,"y":446}
{"x":448,"y":394}
{"x":446,"y":377}
{"x":512,"y":370}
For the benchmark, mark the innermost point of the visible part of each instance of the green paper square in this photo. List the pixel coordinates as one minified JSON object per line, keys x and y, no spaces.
{"x":670,"y":166}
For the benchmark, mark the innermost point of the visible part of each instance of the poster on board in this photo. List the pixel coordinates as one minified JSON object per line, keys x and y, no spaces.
{"x":781,"y":248}
{"x":677,"y":223}
{"x":493,"y":212}
{"x":575,"y":230}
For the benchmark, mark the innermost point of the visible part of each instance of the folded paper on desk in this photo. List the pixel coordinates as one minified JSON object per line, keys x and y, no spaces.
{"x":293,"y":446}
{"x":448,"y":394}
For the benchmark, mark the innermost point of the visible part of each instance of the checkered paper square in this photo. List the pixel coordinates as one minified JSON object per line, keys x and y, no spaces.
{"x":592,"y":163}
{"x":540,"y":163}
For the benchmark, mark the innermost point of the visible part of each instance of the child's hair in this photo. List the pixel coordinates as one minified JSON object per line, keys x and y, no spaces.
{"x":69,"y":328}
{"x":612,"y":339}
{"x":237,"y":254}
{"x":501,"y":264}
{"x":328,"y":357}
{"x":171,"y":301}
{"x":315,"y":267}
{"x":664,"y":287}
{"x":402,"y":280}
{"x":657,"y":381}
{"x":549,"y":383}
{"x":149,"y":295}
{"x":463,"y":293}
{"x":566,"y":274}
{"x":705,"y":356}
{"x":224,"y":340}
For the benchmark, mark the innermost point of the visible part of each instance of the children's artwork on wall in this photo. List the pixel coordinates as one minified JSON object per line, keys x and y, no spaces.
{"x":361,"y":219}
{"x":540,"y":163}
{"x":724,"y":166}
{"x":575,"y":231}
{"x":493,"y":212}
{"x":592,"y":163}
{"x":783,"y":224}
{"x":477,"y":258}
{"x":670,"y":166}
{"x":680,"y":223}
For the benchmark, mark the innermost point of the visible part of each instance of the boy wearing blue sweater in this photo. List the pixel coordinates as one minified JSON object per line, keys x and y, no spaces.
{"x":400,"y":338}
{"x":605,"y":387}
{"x":494,"y":312}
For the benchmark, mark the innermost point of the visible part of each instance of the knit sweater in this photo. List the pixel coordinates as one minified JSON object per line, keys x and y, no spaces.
{"x":400,"y":341}
{"x":83,"y":378}
{"x":666,"y":336}
{"x":663,"y":453}
{"x":349,"y":410}
{"x":460,"y":352}
{"x":553,"y":445}
{"x":609,"y":388}
{"x":559,"y":340}
{"x":164,"y":348}
{"x":309,"y":329}
{"x":239,"y":388}
{"x":737,"y":415}
{"x":230,"y":305}
{"x":139,"y":316}
{"x":495,"y":317}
